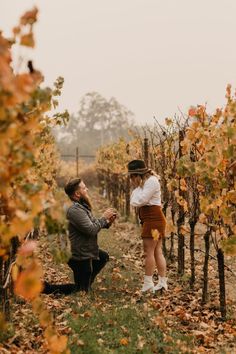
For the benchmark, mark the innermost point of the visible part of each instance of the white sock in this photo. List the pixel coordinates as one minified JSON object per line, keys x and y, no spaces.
{"x":148,"y":279}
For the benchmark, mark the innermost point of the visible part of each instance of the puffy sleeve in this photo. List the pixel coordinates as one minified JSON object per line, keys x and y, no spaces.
{"x":141,"y":196}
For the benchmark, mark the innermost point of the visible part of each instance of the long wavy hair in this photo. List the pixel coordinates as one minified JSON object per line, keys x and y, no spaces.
{"x":146,"y":176}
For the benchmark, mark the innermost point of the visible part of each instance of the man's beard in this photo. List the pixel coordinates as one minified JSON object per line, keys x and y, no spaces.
{"x":87,"y":201}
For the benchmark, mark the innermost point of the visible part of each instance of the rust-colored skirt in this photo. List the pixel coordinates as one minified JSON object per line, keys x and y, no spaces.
{"x":152,"y":218}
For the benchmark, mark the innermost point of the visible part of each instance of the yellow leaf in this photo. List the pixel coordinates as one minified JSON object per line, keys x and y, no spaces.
{"x":14,"y":272}
{"x":231,"y":195}
{"x":20,"y":228}
{"x":155,"y":234}
{"x":190,"y":134}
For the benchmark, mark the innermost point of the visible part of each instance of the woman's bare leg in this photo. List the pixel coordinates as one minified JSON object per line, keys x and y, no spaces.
{"x":149,"y":246}
{"x":160,"y":259}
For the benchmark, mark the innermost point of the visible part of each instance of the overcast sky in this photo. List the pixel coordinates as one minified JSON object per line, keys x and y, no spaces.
{"x":154,"y":56}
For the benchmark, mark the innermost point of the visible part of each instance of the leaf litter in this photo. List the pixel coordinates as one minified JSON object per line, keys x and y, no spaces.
{"x":178,"y":309}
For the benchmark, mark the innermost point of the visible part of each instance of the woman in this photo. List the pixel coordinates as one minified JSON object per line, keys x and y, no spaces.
{"x":146,"y":196}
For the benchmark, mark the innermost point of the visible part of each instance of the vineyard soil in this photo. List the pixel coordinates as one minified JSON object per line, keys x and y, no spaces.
{"x":115,"y":318}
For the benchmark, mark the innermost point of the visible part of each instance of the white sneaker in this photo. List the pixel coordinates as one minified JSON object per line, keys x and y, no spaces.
{"x":147,"y":283}
{"x":147,"y":286}
{"x":162,"y":284}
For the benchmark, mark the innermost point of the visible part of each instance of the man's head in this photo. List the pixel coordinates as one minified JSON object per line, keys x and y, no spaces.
{"x":76,"y":190}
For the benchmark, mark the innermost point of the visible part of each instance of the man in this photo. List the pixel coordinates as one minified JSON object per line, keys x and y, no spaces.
{"x":87,"y":259}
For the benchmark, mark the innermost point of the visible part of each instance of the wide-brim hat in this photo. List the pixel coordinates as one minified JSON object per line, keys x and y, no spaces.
{"x":137,"y":167}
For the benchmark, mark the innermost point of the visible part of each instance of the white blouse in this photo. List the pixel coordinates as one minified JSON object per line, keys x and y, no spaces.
{"x":149,"y":194}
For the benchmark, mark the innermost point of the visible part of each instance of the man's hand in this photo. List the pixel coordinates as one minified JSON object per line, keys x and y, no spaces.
{"x":112,"y":219}
{"x":110,"y":215}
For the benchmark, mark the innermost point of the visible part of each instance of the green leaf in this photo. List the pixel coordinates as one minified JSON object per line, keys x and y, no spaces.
{"x":229,"y":245}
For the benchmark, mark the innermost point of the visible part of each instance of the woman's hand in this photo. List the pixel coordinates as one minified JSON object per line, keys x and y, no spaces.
{"x":135,"y":181}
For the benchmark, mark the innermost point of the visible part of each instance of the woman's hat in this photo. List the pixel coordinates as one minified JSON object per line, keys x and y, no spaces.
{"x":137,"y":167}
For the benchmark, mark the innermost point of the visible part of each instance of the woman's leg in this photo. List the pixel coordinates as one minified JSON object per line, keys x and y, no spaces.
{"x":149,"y":246}
{"x":160,"y":259}
{"x":161,"y":266}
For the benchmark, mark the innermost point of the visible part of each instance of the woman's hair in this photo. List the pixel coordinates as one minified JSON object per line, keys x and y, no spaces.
{"x":72,"y":186}
{"x":146,"y":176}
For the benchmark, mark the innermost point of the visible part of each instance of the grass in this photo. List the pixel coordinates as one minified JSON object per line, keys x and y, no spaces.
{"x":117,"y":331}
{"x":113,"y":320}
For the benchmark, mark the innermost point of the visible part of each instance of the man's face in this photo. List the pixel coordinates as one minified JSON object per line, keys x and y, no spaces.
{"x":82,"y":191}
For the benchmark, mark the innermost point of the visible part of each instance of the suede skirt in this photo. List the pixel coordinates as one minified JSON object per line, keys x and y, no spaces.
{"x":152,"y":218}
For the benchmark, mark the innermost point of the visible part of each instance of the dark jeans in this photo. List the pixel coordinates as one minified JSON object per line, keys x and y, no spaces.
{"x":85,"y":271}
{"x":84,"y":274}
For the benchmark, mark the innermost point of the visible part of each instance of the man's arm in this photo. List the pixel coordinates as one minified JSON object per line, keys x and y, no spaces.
{"x":80,"y":219}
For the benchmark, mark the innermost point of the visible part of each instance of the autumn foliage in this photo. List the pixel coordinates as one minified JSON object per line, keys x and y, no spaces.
{"x":195,"y":158}
{"x":28,"y":166}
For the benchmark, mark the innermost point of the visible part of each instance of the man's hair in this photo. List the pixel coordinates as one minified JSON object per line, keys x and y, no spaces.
{"x":72,"y":186}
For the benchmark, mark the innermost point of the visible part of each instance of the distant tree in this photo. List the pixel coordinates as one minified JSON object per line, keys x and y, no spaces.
{"x":99,"y":121}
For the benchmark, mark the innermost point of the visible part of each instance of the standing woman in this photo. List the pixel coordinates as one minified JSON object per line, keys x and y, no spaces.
{"x":146,"y":196}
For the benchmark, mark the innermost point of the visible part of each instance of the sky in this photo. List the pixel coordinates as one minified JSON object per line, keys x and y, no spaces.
{"x":156,"y":57}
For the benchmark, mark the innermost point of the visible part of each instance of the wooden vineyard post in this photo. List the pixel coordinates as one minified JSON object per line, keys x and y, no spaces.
{"x":77,"y":161}
{"x":181,"y":218}
{"x":127,"y":191}
{"x":146,"y":151}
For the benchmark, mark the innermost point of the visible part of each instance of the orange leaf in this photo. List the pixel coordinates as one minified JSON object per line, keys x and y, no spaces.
{"x":124,"y":341}
{"x":28,"y":284}
{"x":27,"y":40}
{"x":57,"y":344}
{"x":192,"y":111}
{"x":29,"y":17}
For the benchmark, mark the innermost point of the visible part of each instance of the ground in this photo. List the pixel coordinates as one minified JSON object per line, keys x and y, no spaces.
{"x":115,"y":318}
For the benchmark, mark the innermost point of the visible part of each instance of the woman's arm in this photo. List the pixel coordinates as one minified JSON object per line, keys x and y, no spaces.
{"x":141,"y":196}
